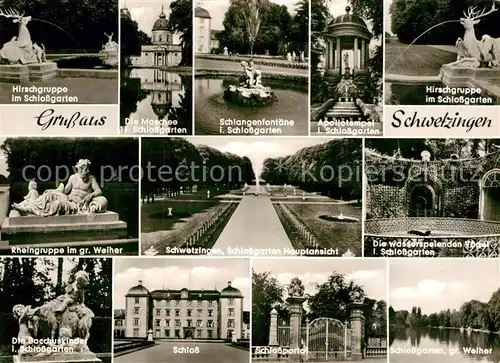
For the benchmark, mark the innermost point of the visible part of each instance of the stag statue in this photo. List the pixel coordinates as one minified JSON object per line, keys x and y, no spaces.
{"x":473,"y":53}
{"x":20,"y":49}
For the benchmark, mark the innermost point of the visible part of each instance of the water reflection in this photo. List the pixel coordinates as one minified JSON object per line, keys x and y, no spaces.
{"x":443,"y":345}
{"x":148,"y":95}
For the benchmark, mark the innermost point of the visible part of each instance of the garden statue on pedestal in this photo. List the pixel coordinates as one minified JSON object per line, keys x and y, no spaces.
{"x":63,"y":325}
{"x":109,"y":52}
{"x":20,"y":49}
{"x":474,"y":53}
{"x":250,"y":91}
{"x":80,"y":195}
{"x":296,"y":288}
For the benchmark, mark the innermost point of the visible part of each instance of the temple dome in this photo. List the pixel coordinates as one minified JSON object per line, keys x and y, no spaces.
{"x":161,"y":23}
{"x":349,"y":25}
{"x":230,"y":292}
{"x":138,"y":290}
{"x":199,"y":12}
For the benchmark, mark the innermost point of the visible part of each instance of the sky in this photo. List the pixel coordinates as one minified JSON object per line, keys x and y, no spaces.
{"x":369,"y":273}
{"x":177,"y":273}
{"x":440,"y":284}
{"x":146,"y":12}
{"x":387,"y":16}
{"x":258,"y":150}
{"x":218,"y":8}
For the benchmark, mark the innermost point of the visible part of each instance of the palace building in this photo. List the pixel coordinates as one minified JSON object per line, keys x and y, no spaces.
{"x":162,"y":52}
{"x":185,"y":314}
{"x":203,"y":30}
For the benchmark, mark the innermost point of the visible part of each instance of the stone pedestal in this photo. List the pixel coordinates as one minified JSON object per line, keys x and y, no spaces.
{"x":75,"y":222}
{"x":15,"y":73}
{"x":87,"y":357}
{"x":42,"y":71}
{"x":357,"y":322}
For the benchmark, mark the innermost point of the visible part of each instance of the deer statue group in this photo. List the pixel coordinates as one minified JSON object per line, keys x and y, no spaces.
{"x":472,"y":52}
{"x":20,"y":49}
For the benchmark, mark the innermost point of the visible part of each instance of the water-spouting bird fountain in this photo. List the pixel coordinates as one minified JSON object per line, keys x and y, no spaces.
{"x":22,"y":59}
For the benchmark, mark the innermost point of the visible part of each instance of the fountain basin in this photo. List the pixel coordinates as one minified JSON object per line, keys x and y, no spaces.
{"x":243,"y":96}
{"x":339,"y":218}
{"x":448,"y":236}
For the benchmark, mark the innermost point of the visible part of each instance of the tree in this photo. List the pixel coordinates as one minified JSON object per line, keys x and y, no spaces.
{"x":131,"y":37}
{"x":266,"y":294}
{"x":332,"y":297}
{"x":251,"y":14}
{"x":181,"y":21}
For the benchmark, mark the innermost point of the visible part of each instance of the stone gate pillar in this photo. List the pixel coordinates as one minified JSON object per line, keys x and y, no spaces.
{"x":273,"y":333}
{"x":295,"y":309}
{"x":357,"y":322}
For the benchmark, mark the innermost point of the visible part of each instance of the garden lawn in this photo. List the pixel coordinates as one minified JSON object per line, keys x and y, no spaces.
{"x":154,"y":216}
{"x":416,"y":60}
{"x":341,"y":235}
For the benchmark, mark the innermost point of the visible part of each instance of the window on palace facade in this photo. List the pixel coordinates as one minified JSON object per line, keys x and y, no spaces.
{"x":118,"y":323}
{"x":231,"y":301}
{"x":136,"y":311}
{"x":136,"y":333}
{"x":167,"y":323}
{"x":199,"y":323}
{"x":167,"y":333}
{"x":210,"y":323}
{"x":210,"y":303}
{"x":157,"y":323}
{"x":230,"y":323}
{"x":210,"y":312}
{"x":189,"y":312}
{"x":198,"y":333}
{"x":199,"y":312}
{"x":136,"y":301}
{"x":177,"y":302}
{"x":189,"y":302}
{"x":230,"y":312}
{"x":209,"y":334}
{"x":167,"y":312}
{"x":177,"y":313}
{"x":177,"y":323}
{"x":158,"y":312}
{"x":189,"y":323}
{"x":136,"y":321}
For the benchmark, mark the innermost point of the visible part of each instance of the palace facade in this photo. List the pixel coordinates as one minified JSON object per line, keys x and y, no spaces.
{"x":185,"y":314}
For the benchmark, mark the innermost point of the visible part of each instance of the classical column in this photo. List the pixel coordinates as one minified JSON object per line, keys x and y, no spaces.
{"x":355,"y":60}
{"x":367,"y":52}
{"x":363,"y":54}
{"x":338,"y":54}
{"x":357,"y":322}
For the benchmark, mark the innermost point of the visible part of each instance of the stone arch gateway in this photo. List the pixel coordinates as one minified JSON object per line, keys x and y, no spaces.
{"x":489,"y":201}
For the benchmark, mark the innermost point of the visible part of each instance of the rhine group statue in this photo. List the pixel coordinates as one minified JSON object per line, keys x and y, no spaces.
{"x":81,"y":195}
{"x":63,"y":324}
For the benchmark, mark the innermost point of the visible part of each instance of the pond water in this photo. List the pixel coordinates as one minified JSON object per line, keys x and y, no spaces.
{"x":210,"y":106}
{"x":81,"y":63}
{"x":443,"y":346}
{"x":155,"y":94}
